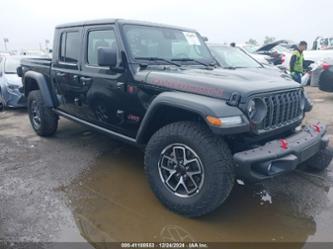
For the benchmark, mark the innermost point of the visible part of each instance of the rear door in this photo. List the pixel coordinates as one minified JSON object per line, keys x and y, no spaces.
{"x":66,"y":67}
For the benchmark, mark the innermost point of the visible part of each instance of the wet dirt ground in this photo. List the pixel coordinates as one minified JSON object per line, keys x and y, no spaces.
{"x":84,"y":186}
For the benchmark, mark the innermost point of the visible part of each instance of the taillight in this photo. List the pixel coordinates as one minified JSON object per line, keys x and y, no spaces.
{"x":326,"y":66}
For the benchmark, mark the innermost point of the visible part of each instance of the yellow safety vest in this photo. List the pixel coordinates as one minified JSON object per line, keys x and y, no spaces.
{"x":298,"y":66}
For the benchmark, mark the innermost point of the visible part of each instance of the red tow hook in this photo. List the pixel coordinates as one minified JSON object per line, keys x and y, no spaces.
{"x":284,"y":144}
{"x":316,"y":127}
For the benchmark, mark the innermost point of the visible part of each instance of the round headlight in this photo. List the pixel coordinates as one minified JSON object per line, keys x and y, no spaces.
{"x":251,"y":109}
{"x":256,"y":110}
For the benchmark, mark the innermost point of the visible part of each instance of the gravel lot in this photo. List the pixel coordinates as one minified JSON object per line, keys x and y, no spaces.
{"x":80,"y":185}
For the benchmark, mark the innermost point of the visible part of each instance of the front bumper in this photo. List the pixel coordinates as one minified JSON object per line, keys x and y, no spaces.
{"x":280,"y":156}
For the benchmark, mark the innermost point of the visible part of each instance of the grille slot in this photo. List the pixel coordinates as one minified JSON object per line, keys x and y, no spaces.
{"x":282,"y":109}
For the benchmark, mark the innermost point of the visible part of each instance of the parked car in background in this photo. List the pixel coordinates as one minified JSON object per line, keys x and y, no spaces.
{"x":238,"y":58}
{"x":276,"y":52}
{"x":310,"y":56}
{"x":10,"y":84}
{"x":318,"y":55}
{"x":316,"y":63}
{"x":322,"y":43}
{"x":36,"y":53}
{"x":322,"y":75}
{"x":281,"y":52}
{"x":230,"y":57}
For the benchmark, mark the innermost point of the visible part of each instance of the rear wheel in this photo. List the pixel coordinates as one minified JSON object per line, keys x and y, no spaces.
{"x":189,"y":169}
{"x":43,"y":120}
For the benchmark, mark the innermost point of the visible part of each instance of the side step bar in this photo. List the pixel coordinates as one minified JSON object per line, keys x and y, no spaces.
{"x":96,"y":127}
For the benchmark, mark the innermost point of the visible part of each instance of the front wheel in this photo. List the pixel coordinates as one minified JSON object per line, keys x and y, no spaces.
{"x":189,"y":169}
{"x":43,"y":120}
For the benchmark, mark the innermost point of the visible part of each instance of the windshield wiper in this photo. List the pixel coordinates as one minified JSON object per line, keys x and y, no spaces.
{"x":158,"y":59}
{"x":194,"y":60}
{"x":232,"y":67}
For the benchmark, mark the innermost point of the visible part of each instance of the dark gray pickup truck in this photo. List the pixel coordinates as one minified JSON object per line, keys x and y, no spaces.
{"x":200,"y":124}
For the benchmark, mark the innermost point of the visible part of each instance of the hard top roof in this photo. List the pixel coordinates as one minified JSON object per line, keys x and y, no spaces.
{"x":120,"y":21}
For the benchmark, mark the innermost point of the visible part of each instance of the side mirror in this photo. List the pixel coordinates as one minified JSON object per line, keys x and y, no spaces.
{"x":107,"y":57}
{"x":205,"y":38}
{"x":19,"y":71}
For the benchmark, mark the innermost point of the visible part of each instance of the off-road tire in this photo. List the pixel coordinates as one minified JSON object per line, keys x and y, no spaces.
{"x":216,"y":159}
{"x":320,"y":161}
{"x":48,"y":118}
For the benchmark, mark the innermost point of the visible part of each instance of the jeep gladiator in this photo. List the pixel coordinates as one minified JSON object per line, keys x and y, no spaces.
{"x":201,"y":125}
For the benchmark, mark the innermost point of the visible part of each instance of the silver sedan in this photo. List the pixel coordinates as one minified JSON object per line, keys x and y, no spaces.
{"x":10,"y":84}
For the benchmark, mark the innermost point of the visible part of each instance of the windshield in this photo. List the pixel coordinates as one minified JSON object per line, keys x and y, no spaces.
{"x":233,"y":57}
{"x":167,"y":44}
{"x":250,"y":49}
{"x":11,"y":64}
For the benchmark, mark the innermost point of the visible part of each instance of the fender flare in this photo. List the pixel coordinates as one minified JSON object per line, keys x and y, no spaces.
{"x":197,"y":104}
{"x":43,"y":86}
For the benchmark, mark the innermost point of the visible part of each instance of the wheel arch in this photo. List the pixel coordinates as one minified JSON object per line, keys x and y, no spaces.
{"x":163,"y":115}
{"x":37,"y":81}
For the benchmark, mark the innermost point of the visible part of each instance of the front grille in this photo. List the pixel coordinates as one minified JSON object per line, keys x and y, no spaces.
{"x":282,"y":109}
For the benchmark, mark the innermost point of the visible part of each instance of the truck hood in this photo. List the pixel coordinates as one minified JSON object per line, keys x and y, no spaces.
{"x":220,"y":83}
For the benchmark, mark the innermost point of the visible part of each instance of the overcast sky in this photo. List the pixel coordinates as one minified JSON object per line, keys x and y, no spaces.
{"x":29,"y":23}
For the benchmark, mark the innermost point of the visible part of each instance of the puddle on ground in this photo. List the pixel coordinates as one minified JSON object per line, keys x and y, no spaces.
{"x":113,"y":202}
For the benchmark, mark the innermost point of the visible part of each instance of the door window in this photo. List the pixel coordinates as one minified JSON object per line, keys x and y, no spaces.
{"x":69,"y":47}
{"x":97,"y":39}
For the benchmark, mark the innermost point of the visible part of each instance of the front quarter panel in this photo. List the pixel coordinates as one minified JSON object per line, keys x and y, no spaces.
{"x":197,"y":104}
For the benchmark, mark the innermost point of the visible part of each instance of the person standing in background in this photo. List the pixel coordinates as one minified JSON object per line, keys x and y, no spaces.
{"x":296,"y":62}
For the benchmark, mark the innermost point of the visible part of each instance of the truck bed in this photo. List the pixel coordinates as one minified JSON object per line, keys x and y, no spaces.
{"x":41,"y":65}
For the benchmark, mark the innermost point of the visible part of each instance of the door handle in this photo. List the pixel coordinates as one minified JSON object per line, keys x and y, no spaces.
{"x":85,"y":80}
{"x":61,"y":74}
{"x":120,"y":85}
